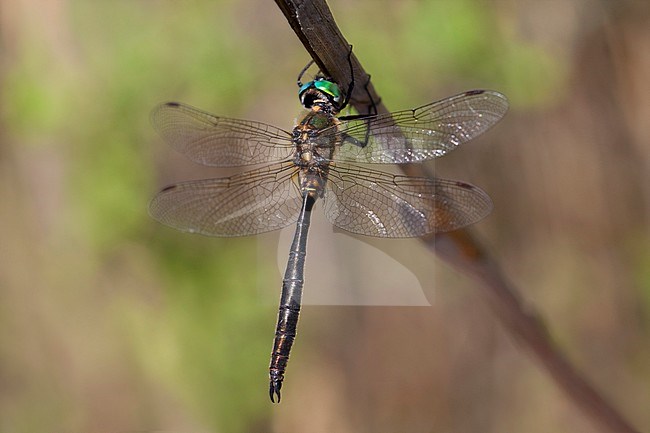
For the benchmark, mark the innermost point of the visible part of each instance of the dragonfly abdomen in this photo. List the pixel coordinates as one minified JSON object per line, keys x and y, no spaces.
{"x":285,"y":335}
{"x":289,"y":310}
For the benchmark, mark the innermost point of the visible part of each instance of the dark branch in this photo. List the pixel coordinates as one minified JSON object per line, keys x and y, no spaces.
{"x":314,"y":25}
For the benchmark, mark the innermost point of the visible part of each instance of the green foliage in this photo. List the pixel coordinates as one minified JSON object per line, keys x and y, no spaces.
{"x":443,"y":46}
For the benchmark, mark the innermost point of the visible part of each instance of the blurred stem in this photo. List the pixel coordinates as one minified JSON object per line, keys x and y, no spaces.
{"x":314,"y":25}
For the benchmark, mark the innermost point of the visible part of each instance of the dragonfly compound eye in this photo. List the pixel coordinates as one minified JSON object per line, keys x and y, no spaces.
{"x":329,"y":88}
{"x":320,"y":86}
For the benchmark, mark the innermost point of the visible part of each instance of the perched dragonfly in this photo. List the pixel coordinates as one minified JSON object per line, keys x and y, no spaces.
{"x":323,"y":157}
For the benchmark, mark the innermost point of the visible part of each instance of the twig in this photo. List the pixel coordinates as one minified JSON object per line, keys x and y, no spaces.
{"x":314,"y":25}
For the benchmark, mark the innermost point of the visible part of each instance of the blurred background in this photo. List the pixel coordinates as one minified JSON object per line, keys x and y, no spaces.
{"x":110,"y":322}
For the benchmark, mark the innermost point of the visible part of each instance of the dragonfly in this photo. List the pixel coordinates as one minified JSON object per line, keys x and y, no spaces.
{"x":325,"y":158}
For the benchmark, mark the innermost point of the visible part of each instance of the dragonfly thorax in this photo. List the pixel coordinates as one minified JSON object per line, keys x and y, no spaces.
{"x":306,"y":155}
{"x":310,"y":148}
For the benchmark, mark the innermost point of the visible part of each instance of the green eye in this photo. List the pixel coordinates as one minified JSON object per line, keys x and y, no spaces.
{"x":305,"y":87}
{"x":328,"y":87}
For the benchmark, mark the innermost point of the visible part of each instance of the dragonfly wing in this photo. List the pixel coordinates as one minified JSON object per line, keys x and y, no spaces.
{"x":219,"y":141}
{"x":252,"y":202}
{"x":423,"y":133}
{"x":374,"y":203}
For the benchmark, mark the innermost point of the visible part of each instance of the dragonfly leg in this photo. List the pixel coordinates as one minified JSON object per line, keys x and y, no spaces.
{"x":348,"y":93}
{"x":372,"y":112}
{"x":372,"y":108}
{"x":299,"y":80}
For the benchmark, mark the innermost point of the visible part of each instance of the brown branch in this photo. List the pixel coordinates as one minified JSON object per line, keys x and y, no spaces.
{"x":314,"y":24}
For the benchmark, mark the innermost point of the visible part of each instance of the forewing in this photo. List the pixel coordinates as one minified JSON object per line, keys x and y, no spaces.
{"x":256,"y":201}
{"x":374,"y":203}
{"x":219,"y":141}
{"x":423,"y":133}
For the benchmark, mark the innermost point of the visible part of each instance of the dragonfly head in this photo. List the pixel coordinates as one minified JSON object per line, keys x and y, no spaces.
{"x":319,"y":89}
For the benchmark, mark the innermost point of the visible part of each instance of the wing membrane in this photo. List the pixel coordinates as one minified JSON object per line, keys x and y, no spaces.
{"x":374,"y":203}
{"x":252,"y":202}
{"x":423,"y":133}
{"x":219,"y":141}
